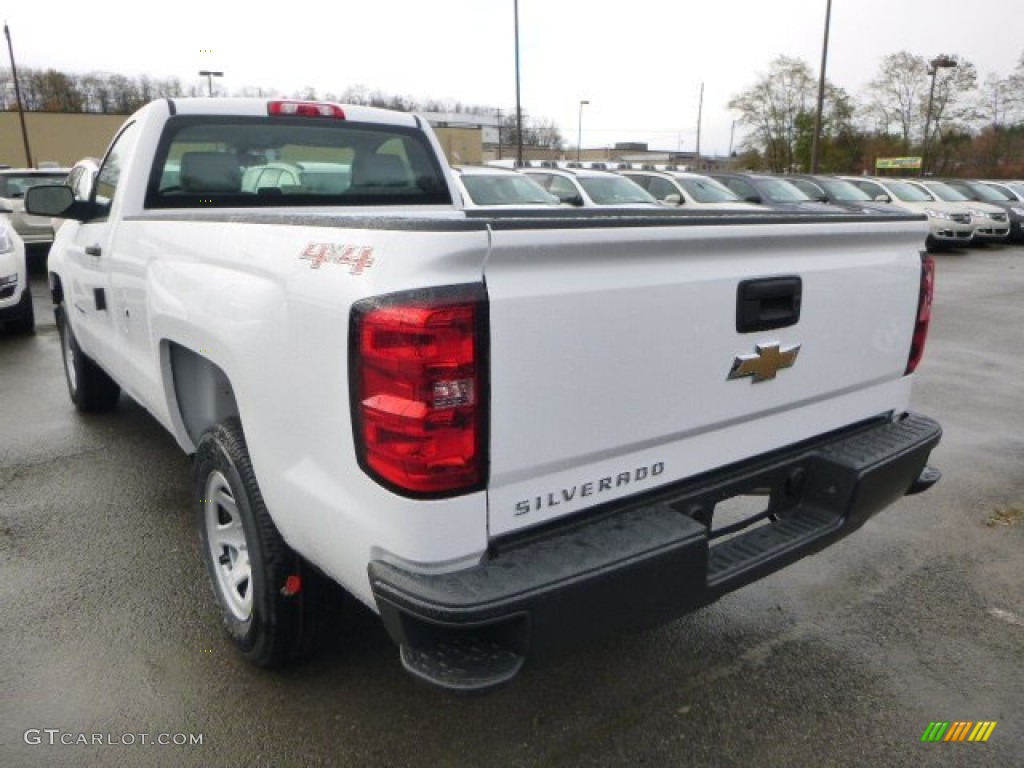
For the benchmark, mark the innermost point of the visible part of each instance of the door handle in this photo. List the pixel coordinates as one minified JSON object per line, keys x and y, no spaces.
{"x":93,"y":250}
{"x":767,"y":303}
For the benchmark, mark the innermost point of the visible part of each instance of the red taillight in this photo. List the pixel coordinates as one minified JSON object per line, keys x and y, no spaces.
{"x":418,"y":389}
{"x":304,"y":109}
{"x":924,"y":312}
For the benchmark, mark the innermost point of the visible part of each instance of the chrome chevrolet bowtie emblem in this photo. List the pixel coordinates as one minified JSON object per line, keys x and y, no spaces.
{"x":765,"y":363}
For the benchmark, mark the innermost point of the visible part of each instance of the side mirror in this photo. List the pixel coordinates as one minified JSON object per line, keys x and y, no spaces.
{"x":753,"y":199}
{"x":571,"y":198}
{"x":822,"y":198}
{"x":883,"y":199}
{"x":673,"y":199}
{"x":54,"y":200}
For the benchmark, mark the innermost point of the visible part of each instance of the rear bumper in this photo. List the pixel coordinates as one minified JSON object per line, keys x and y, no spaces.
{"x":643,"y":562}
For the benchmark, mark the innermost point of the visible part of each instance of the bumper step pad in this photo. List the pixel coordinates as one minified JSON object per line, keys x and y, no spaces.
{"x":463,"y":663}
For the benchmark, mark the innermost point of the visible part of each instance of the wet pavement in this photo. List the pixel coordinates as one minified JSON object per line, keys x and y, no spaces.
{"x":108,"y":632}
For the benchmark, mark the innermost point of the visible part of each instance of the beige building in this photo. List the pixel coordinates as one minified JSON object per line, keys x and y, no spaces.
{"x":67,"y":138}
{"x":55,"y":137}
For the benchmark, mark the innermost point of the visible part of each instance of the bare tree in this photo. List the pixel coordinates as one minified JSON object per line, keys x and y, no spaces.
{"x":775,"y":110}
{"x":536,"y":132}
{"x":1014,"y":93}
{"x":7,"y":100}
{"x":895,"y":96}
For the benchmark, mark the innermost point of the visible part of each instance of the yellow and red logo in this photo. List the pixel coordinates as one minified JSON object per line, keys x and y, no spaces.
{"x":959,"y":730}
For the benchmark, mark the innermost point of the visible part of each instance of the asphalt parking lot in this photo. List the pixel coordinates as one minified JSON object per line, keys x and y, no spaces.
{"x":841,"y":660}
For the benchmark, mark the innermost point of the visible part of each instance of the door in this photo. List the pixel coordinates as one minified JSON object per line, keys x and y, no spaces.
{"x":87,"y":294}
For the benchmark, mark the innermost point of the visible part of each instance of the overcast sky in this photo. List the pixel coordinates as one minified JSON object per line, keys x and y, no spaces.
{"x":639,"y":63}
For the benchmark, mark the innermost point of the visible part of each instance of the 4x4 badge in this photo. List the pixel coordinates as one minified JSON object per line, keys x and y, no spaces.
{"x":765,"y":363}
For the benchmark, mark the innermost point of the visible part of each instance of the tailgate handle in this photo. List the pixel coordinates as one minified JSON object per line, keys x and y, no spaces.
{"x":766,"y":303}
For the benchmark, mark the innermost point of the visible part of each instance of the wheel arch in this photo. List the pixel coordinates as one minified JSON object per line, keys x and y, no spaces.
{"x":201,"y":393}
{"x":56,"y":289}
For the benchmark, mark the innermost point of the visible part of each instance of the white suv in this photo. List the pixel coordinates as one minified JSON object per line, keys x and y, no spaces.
{"x":991,"y":223}
{"x":949,"y":224}
{"x":15,"y":295}
{"x":690,"y":190}
{"x":592,"y":189}
{"x":492,"y":187}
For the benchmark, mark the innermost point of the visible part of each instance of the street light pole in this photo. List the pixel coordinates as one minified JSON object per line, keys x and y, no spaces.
{"x":939,"y":62}
{"x":519,"y":107}
{"x":700,"y":114}
{"x":821,"y":92}
{"x":17,"y":95}
{"x":579,"y":131}
{"x":209,"y":75}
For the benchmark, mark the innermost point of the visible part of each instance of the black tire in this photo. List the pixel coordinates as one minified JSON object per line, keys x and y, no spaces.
{"x":273,"y":612}
{"x":25,"y":322}
{"x":89,"y":387}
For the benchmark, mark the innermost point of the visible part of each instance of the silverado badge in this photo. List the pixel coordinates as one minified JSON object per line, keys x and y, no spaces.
{"x":768,"y":360}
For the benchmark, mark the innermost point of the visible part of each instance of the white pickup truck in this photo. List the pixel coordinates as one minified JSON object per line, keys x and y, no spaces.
{"x":502,"y":431}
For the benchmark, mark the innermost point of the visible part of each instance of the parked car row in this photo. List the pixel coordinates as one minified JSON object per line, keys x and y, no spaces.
{"x":959,"y":211}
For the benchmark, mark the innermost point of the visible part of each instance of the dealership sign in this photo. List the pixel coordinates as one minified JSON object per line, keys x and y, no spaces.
{"x":897,"y":162}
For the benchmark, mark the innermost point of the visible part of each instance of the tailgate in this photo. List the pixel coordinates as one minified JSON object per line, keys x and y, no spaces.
{"x":611,"y":349}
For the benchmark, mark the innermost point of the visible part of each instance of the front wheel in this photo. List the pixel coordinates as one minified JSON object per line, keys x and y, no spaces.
{"x":268,"y":597}
{"x":89,"y":387}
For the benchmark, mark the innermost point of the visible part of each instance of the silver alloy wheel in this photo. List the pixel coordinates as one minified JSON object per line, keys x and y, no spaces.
{"x":228,"y":550}
{"x":69,"y":357}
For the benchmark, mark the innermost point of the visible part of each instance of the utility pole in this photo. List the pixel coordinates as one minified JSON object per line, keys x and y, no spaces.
{"x":579,"y":130}
{"x":500,"y":121}
{"x":519,"y":107}
{"x":700,"y":112}
{"x":821,"y":92}
{"x":17,"y":95}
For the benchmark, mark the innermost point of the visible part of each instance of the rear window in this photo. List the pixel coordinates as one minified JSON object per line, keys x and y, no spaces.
{"x":505,"y":189}
{"x":614,"y":190}
{"x":205,"y":162}
{"x":708,"y":191}
{"x":779,"y":191}
{"x":844,"y":191}
{"x":14,"y":185}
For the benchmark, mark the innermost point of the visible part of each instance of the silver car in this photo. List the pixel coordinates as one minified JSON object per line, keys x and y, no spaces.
{"x":15,"y":294}
{"x":13,"y":183}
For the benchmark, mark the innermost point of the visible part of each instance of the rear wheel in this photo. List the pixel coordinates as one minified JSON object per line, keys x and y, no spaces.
{"x":89,"y":387}
{"x":270,"y":599}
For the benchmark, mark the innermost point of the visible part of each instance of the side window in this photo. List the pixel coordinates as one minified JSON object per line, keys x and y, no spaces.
{"x":810,"y":189}
{"x":543,"y":179}
{"x":741,"y":187}
{"x":110,"y":171}
{"x":643,"y":181}
{"x":562,"y":187}
{"x":872,"y":189}
{"x":662,"y":188}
